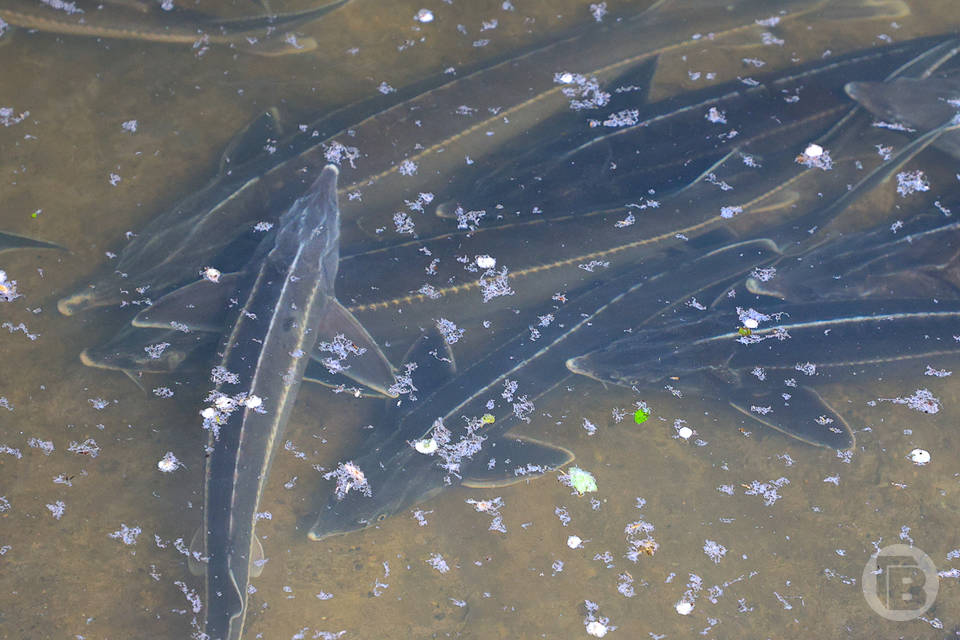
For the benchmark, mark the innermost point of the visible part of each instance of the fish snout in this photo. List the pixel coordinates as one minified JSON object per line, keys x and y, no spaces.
{"x":73,"y":304}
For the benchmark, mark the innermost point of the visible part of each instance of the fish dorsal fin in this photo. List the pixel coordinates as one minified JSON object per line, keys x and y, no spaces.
{"x":804,"y":416}
{"x":258,"y":559}
{"x":200,"y":306}
{"x":631,"y":88}
{"x":249,"y":142}
{"x":370,"y":369}
{"x":534,"y":456}
{"x":196,"y":567}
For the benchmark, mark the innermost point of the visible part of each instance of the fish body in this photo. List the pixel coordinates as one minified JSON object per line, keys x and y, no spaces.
{"x":285,"y":296}
{"x":921,"y":260}
{"x":136,"y":350}
{"x":520,"y":371}
{"x":918,"y":104}
{"x":624,"y":158}
{"x":795,"y":347}
{"x":198,"y":230}
{"x":148,"y":22}
{"x":553,"y":263}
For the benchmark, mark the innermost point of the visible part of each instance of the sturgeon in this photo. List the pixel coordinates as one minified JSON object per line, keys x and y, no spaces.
{"x":768,"y":374}
{"x":285,"y":304}
{"x":499,"y":386}
{"x":917,"y":103}
{"x":147,"y":21}
{"x":198,"y":230}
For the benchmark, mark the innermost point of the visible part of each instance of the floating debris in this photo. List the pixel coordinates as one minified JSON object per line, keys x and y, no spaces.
{"x":581,"y":481}
{"x":494,"y":284}
{"x":574,"y":542}
{"x":349,"y":476}
{"x":815,"y":157}
{"x":424,"y":16}
{"x":598,"y":11}
{"x":88,"y":447}
{"x":919,"y":457}
{"x":426,"y":446}
{"x":910,"y":182}
{"x":211,"y":274}
{"x":584,"y":93}
{"x":641,"y":415}
{"x":491,"y":507}
{"x":714,"y":550}
{"x":451,"y":332}
{"x":57,"y":509}
{"x":437,"y":562}
{"x":597,"y":626}
{"x":168,"y":463}
{"x":8,"y":288}
{"x":921,"y":400}
{"x":127,"y":535}
{"x":716,"y":116}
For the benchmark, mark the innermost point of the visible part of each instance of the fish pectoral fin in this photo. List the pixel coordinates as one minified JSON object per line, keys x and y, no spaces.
{"x":249,"y":142}
{"x":533,"y":457}
{"x":433,"y":367}
{"x":134,"y":377}
{"x":370,"y":368}
{"x":434,"y":358}
{"x":9,"y":241}
{"x":194,"y":564}
{"x":318,"y":373}
{"x":282,"y":44}
{"x":200,"y":306}
{"x":804,"y":415}
{"x":258,"y":560}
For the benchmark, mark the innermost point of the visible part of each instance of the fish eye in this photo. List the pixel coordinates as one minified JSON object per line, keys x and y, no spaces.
{"x":381,"y":517}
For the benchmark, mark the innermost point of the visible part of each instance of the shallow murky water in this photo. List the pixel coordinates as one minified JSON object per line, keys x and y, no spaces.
{"x":764,"y":535}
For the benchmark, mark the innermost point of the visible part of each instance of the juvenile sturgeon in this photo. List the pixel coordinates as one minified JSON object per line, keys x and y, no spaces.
{"x":196,"y":231}
{"x":399,"y":475}
{"x":804,"y":340}
{"x":257,"y":35}
{"x":286,"y":305}
{"x":917,"y":103}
